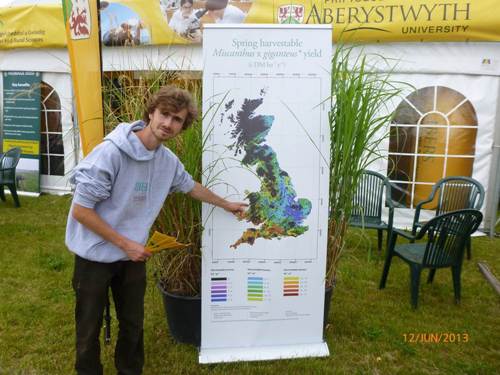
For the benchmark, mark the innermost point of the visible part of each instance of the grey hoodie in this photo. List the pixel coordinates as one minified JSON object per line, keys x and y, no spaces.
{"x":126,"y":184}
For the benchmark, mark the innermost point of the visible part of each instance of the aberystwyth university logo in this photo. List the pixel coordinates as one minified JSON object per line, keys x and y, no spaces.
{"x":291,"y":13}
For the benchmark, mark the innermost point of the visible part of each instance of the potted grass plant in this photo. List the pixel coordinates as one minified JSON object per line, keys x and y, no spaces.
{"x":361,"y":90}
{"x":177,"y":272}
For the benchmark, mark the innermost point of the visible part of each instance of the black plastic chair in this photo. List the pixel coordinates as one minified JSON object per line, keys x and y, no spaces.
{"x":367,"y":204}
{"x":447,"y":235}
{"x":8,"y":164}
{"x":451,"y":194}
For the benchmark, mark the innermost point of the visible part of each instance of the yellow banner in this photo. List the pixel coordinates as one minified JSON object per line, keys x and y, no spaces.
{"x":163,"y":22}
{"x":142,"y":22}
{"x":403,"y":20}
{"x":30,"y":26}
{"x":82,"y":30}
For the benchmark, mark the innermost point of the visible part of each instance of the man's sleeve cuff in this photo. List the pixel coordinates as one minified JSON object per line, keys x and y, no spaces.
{"x":82,"y":201}
{"x":187,"y":186}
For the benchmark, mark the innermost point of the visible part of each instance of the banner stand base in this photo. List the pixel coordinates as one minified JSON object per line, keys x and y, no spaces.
{"x":263,"y":353}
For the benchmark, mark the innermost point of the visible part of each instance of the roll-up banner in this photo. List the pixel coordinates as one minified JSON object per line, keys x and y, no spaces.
{"x":263,"y":284}
{"x":21,"y":126}
{"x":81,"y":18}
{"x":139,"y":22}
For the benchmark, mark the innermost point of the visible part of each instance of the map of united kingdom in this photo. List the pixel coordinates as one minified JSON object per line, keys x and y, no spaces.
{"x":274,"y":210}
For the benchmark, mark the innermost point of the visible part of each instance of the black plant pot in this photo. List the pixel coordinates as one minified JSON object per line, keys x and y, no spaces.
{"x":328,"y":300}
{"x":183,"y":317}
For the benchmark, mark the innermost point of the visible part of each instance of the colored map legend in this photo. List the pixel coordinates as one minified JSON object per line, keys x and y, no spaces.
{"x":294,"y":286}
{"x":218,"y":289}
{"x":255,"y":288}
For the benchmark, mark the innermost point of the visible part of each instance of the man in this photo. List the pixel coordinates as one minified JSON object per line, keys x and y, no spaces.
{"x":186,"y":22}
{"x":222,"y":12}
{"x":120,"y":188}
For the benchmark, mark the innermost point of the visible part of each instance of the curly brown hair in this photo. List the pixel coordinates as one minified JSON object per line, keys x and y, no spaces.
{"x":172,"y":99}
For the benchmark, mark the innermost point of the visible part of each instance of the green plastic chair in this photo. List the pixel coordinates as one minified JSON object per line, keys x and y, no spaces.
{"x":446,"y":238}
{"x":8,"y":164}
{"x":367,"y":204}
{"x":451,"y":194}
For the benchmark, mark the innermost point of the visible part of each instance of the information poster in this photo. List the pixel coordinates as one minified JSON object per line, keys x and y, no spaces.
{"x":266,"y":128}
{"x":21,"y":126}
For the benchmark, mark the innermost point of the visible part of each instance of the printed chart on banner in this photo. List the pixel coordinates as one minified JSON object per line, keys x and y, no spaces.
{"x":256,"y":294}
{"x":264,"y":143}
{"x":220,"y":290}
{"x":294,"y":286}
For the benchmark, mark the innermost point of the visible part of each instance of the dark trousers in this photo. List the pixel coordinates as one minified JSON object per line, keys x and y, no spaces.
{"x":91,"y":281}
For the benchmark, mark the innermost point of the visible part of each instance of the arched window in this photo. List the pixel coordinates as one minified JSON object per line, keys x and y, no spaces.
{"x":51,"y":142}
{"x":433,"y":135}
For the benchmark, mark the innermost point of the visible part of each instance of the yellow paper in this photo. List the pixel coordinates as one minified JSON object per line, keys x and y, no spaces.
{"x":160,"y":241}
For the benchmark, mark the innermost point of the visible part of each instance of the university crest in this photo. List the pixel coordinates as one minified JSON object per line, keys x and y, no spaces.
{"x":291,"y":13}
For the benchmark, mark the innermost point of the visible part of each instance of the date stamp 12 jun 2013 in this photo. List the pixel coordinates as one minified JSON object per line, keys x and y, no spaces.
{"x":436,"y":338}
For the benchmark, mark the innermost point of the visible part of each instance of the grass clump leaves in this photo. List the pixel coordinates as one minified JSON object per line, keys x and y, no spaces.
{"x":358,"y":120}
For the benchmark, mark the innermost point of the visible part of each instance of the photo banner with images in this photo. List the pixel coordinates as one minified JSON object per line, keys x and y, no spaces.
{"x":81,"y":18}
{"x":266,"y":125}
{"x":165,"y":22}
{"x":21,"y":126}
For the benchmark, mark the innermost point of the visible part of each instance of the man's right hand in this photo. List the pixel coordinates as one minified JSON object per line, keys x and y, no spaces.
{"x":89,"y":217}
{"x":135,"y":251}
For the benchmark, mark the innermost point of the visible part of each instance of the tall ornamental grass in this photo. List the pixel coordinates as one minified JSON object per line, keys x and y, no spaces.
{"x":125,"y":96}
{"x":179,"y":271}
{"x":358,"y":121}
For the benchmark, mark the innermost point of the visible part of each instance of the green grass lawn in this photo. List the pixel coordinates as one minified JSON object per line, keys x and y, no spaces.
{"x":366,"y":331}
{"x":30,"y":181}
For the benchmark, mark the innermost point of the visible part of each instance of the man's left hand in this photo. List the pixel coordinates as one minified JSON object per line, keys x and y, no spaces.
{"x":236,"y":208}
{"x":203,"y":194}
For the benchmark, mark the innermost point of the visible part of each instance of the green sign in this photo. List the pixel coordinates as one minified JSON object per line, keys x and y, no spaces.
{"x":21,"y":125}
